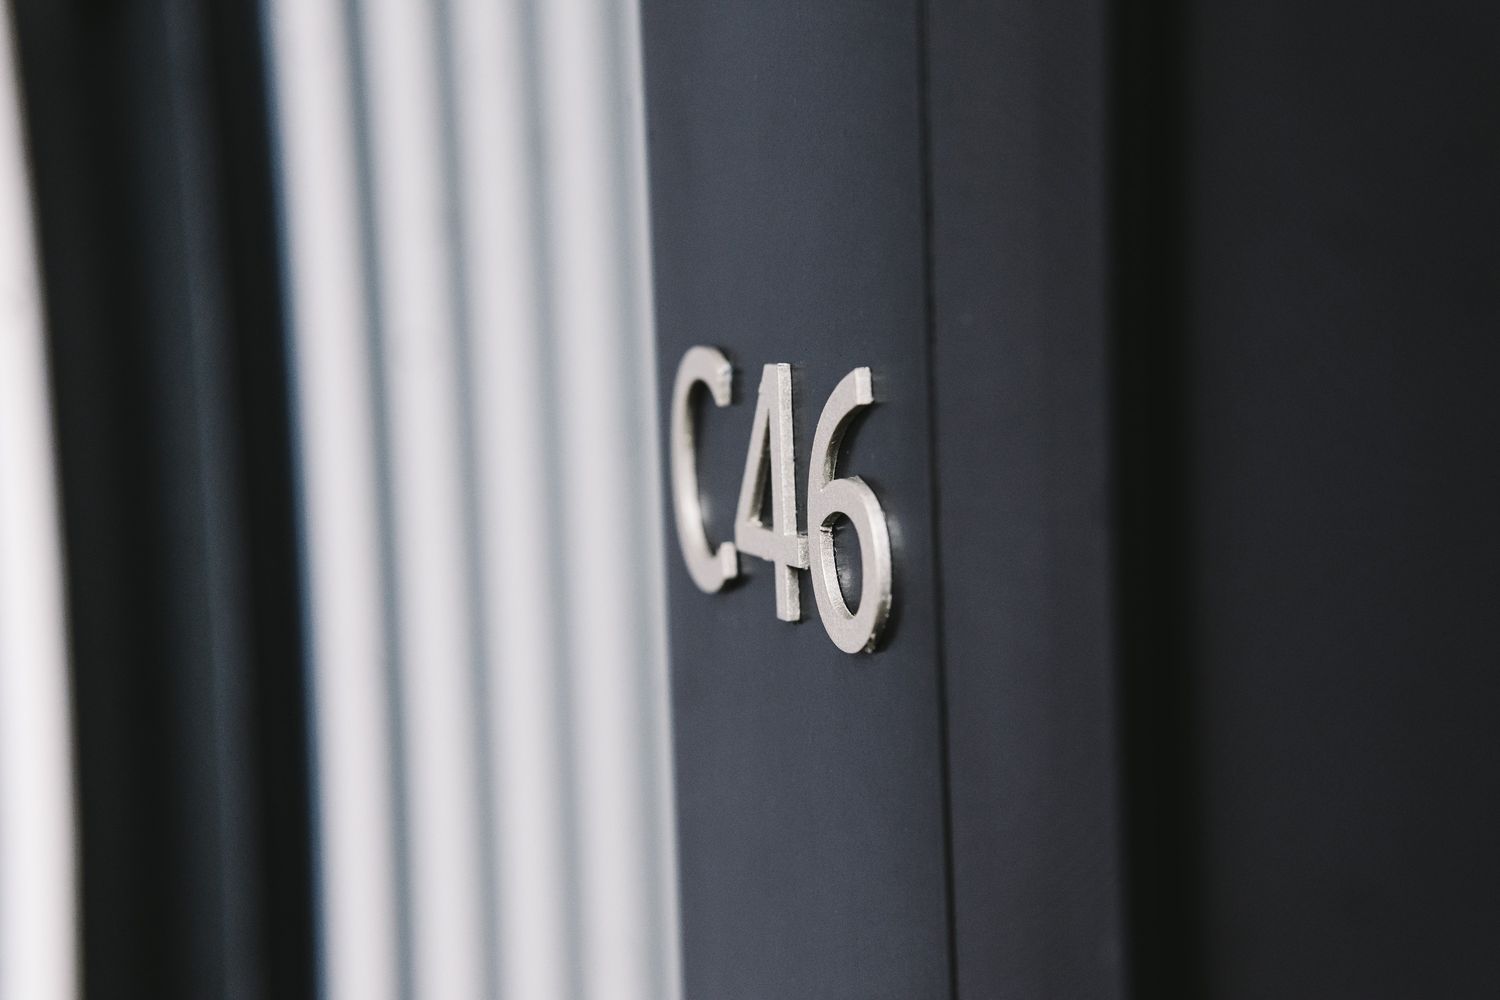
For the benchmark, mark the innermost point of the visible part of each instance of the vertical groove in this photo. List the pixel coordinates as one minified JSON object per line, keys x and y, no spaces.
{"x":385,"y":500}
{"x":473,"y":526}
{"x":929,"y":296}
{"x":648,"y":600}
{"x":427,"y":479}
{"x":586,"y":279}
{"x":539,"y":224}
{"x":509,"y":386}
{"x":1149,"y":368}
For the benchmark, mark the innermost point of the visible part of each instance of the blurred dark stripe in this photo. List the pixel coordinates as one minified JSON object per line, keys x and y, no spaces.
{"x":149,"y":134}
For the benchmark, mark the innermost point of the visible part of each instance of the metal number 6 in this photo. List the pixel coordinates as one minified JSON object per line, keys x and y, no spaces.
{"x":709,"y":568}
{"x":828,"y":499}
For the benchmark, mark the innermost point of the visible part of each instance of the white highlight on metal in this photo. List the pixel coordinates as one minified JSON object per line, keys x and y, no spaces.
{"x":422,"y":399}
{"x":520,"y":526}
{"x":612,"y":546}
{"x":829,"y":498}
{"x":709,"y":567}
{"x":38,"y":844}
{"x":331,"y":372}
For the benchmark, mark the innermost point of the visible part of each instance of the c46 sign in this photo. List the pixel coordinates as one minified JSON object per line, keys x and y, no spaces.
{"x":772,"y":534}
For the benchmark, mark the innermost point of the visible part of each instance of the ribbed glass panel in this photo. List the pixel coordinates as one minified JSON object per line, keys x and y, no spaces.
{"x":420,"y":382}
{"x":486,"y":272}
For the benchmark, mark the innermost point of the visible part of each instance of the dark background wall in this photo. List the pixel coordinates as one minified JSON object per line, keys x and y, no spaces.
{"x":1341,"y":305}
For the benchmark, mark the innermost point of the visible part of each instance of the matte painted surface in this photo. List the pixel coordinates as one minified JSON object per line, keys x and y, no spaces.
{"x":787,"y":210}
{"x":1021,"y":324}
{"x":1342,"y":253}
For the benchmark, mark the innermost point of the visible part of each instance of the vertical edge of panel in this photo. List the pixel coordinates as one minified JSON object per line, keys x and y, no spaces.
{"x":1021,"y":345}
{"x":655,"y":682}
{"x":356,"y":871}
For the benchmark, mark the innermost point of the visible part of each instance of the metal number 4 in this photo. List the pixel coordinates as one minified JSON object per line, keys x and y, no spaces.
{"x":772,"y":450}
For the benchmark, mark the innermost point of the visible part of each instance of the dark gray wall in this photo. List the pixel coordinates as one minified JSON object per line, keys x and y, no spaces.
{"x":788,"y":215}
{"x":1021,"y":338}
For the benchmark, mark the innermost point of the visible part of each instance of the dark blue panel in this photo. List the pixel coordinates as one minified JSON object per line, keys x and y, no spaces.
{"x":1021,"y":334}
{"x":788,"y":216}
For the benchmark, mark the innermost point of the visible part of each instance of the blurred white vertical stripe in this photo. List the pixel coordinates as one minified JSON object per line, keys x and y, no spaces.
{"x":421,"y":381}
{"x":597,"y":278}
{"x":657,"y":781}
{"x":332,"y":373}
{"x":38,"y":845}
{"x":547,"y":141}
{"x":509,"y":386}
